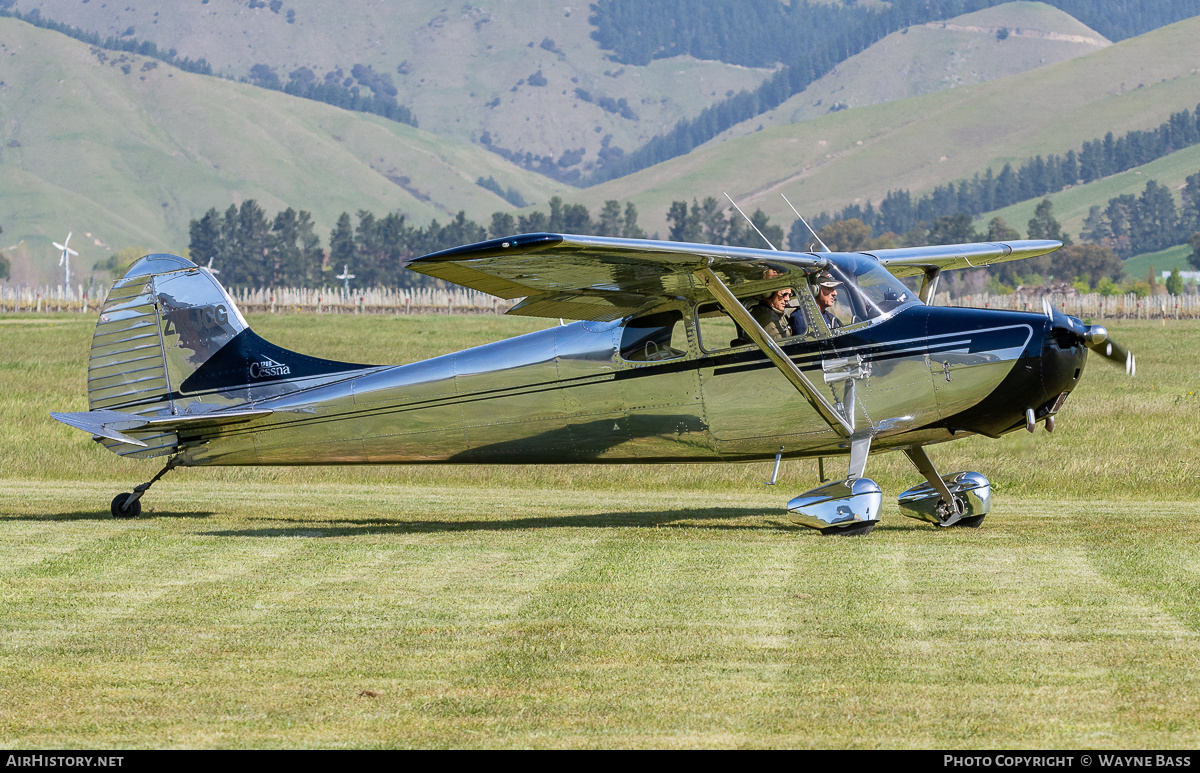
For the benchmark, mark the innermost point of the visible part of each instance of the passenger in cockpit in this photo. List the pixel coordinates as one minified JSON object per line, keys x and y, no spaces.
{"x":771,"y":313}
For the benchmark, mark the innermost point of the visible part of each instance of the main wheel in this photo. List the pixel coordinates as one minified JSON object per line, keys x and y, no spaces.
{"x":857,"y":530}
{"x":120,"y":510}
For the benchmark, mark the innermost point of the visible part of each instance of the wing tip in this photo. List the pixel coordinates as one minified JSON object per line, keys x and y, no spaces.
{"x":491,"y":247}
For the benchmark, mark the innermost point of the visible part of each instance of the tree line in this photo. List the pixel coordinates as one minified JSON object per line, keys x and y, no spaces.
{"x":1133,"y":225}
{"x":340,"y":90}
{"x":126,"y":42}
{"x":1087,"y":266}
{"x":253,"y":250}
{"x":761,"y":33}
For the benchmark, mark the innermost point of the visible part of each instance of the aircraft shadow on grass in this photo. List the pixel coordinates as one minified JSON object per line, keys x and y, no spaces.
{"x":670,"y":519}
{"x":102,"y":515}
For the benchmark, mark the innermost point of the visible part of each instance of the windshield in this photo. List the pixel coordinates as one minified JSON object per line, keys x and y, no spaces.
{"x":866,"y":289}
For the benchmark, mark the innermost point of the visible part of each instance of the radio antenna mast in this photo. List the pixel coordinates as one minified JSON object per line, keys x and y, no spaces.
{"x":806,"y":225}
{"x":751,"y":222}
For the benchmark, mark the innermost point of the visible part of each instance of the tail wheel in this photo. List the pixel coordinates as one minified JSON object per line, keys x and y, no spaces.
{"x":121,"y":510}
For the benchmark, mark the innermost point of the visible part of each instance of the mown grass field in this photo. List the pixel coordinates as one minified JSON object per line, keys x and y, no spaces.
{"x":576,"y":606}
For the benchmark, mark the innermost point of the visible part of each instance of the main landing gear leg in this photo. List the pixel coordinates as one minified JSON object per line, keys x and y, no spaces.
{"x":127,"y":505}
{"x":958,"y":499}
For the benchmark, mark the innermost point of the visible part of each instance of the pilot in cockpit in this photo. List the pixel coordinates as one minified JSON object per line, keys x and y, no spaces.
{"x":825,"y":291}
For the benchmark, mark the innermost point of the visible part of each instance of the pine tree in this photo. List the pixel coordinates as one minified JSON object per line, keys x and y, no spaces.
{"x":610,"y":219}
{"x":204,"y":242}
{"x":999,"y":231}
{"x":342,"y":252}
{"x":1189,"y":213}
{"x":1044,"y":226}
{"x":1095,"y":227}
{"x":1175,"y":282}
{"x":1156,"y":223}
{"x":502,"y":225}
{"x":629,"y":228}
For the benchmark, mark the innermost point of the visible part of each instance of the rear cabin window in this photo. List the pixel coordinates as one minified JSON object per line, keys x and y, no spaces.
{"x":654,"y":337}
{"x":717,"y":330}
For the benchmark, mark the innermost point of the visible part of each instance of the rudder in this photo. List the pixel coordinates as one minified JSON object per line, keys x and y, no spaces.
{"x":160,"y":322}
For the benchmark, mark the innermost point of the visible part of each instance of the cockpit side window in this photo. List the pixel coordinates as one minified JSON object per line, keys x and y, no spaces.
{"x":718,"y":331}
{"x":654,"y":337}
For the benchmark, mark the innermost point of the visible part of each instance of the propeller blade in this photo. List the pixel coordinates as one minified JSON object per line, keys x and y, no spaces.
{"x":1098,"y":341}
{"x":1094,"y":337}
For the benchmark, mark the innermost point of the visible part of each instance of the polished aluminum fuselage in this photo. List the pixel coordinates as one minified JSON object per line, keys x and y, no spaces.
{"x":565,"y":395}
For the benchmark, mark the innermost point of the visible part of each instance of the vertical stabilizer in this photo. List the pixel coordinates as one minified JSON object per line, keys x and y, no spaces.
{"x":171,"y":343}
{"x":160,"y":322}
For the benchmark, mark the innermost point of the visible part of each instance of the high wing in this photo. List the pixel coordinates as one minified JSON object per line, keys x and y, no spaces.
{"x":602,"y":278}
{"x":911,"y":261}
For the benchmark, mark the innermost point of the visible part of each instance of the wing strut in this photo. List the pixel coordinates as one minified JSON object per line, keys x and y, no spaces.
{"x":929,"y":285}
{"x":776,"y":355}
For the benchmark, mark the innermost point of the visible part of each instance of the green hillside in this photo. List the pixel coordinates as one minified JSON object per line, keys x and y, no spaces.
{"x":131,"y":157}
{"x":916,"y":143}
{"x":464,"y":69}
{"x":972,"y":48}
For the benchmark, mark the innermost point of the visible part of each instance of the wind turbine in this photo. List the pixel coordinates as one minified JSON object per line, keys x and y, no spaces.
{"x":210,"y":269}
{"x":65,"y":260}
{"x":346,"y":276}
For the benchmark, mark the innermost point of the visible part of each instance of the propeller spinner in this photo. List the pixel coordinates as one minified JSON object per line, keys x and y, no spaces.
{"x":1094,"y":337}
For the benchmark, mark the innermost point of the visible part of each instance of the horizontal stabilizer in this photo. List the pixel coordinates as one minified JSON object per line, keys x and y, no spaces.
{"x":114,"y":424}
{"x":103,"y":423}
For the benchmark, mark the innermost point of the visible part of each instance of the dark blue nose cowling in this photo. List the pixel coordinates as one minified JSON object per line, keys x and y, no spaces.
{"x":1048,"y":370}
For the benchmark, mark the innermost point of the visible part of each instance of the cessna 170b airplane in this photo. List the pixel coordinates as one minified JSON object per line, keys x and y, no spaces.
{"x":666,"y":364}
